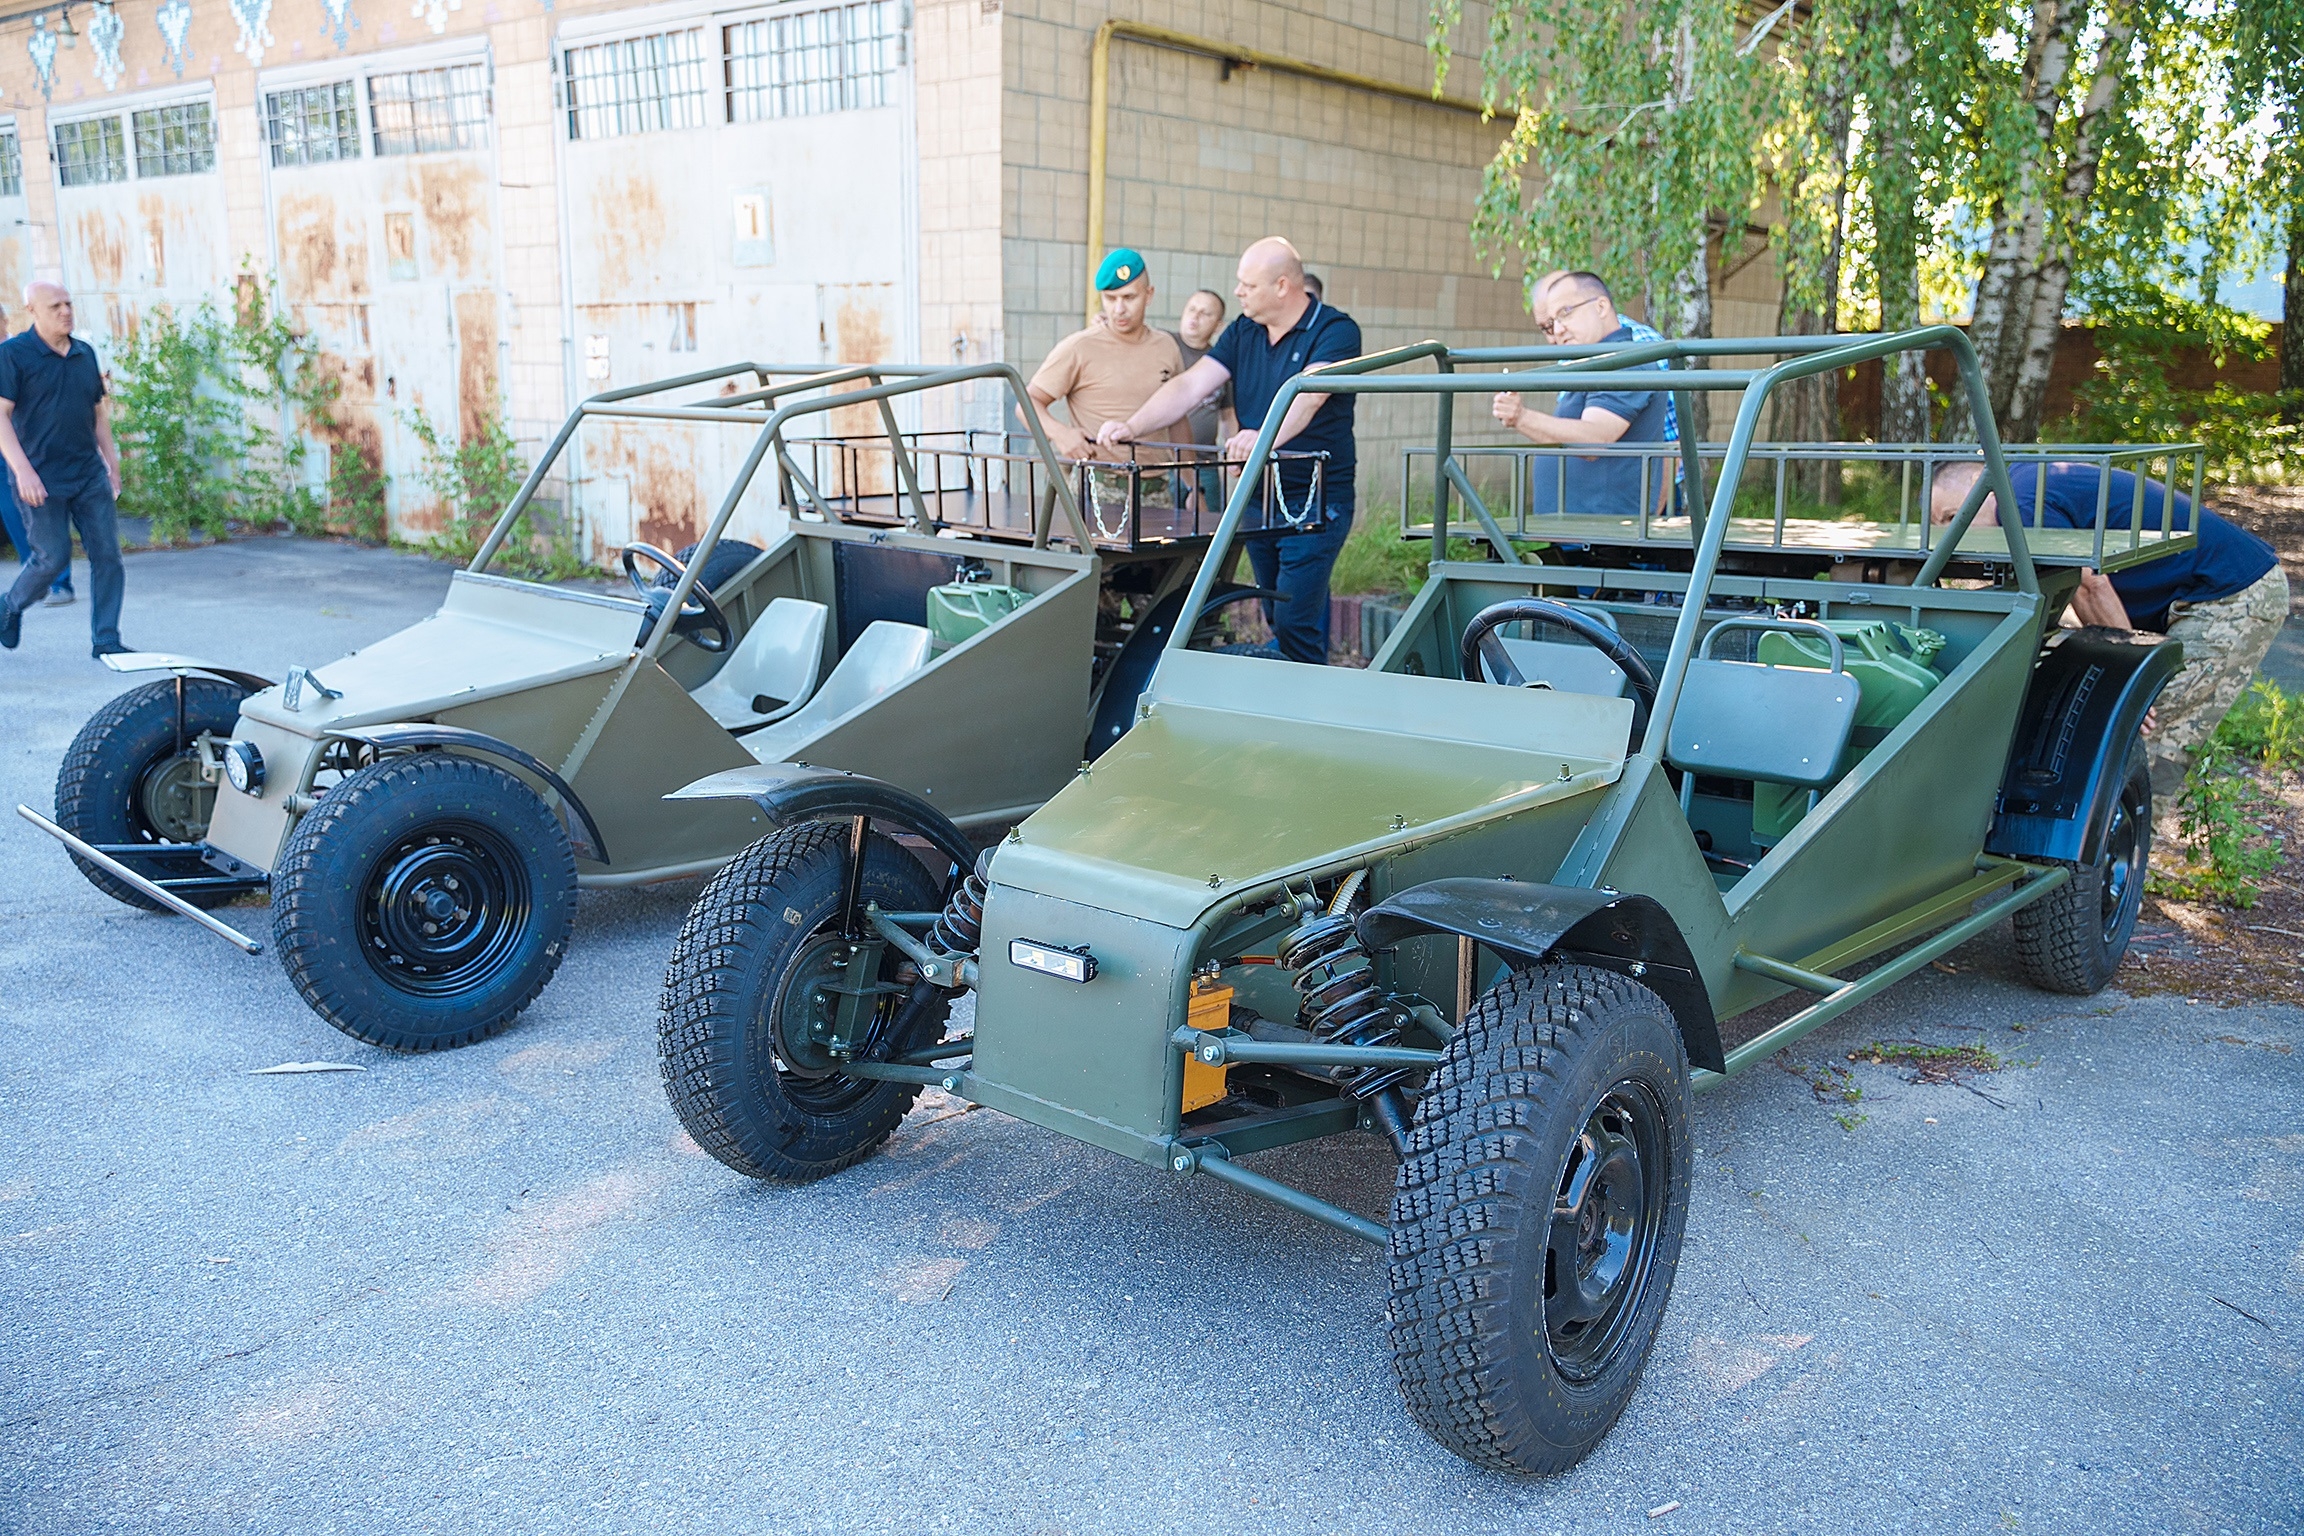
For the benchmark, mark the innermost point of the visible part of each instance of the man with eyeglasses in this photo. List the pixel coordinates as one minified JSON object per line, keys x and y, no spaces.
{"x":1576,"y":309}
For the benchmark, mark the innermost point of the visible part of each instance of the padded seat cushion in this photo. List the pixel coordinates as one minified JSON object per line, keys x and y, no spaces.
{"x":1776,"y":725}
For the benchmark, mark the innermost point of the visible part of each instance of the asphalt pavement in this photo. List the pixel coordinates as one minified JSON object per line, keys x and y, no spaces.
{"x":499,"y":1290}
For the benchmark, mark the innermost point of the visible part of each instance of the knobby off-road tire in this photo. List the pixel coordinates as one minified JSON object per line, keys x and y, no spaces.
{"x":2072,"y":939}
{"x":1537,"y":1217}
{"x":424,"y":902}
{"x":763,"y":926}
{"x":129,"y":778}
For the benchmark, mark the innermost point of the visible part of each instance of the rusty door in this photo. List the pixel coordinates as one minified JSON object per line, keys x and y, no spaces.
{"x":140,"y":217}
{"x":746,"y":198}
{"x":381,"y":178}
{"x":17,"y":256}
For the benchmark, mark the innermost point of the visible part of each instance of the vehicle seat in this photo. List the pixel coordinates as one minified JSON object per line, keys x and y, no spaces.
{"x":883,"y":656}
{"x":1767,"y":724}
{"x":773,"y":668}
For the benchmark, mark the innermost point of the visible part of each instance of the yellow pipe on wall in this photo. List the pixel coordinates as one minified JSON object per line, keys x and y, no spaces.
{"x":1100,"y":103}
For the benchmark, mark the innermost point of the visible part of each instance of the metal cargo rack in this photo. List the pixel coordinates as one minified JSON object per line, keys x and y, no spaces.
{"x":1764,"y":515}
{"x":996,"y":485}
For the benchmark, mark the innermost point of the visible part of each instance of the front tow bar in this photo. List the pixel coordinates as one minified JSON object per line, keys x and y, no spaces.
{"x":158,"y":893}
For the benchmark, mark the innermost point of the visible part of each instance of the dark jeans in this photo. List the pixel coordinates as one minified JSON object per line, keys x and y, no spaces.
{"x":88,"y":508}
{"x":1298,"y":564}
{"x":13,"y":521}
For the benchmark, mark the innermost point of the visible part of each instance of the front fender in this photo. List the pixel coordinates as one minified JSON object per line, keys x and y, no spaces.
{"x":168,"y":661}
{"x":1631,"y":935}
{"x":788,"y":793}
{"x":584,"y":836}
{"x":2082,"y":711}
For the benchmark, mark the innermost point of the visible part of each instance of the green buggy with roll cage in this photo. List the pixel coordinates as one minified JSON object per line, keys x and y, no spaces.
{"x":938,"y":613}
{"x":1502,"y":897}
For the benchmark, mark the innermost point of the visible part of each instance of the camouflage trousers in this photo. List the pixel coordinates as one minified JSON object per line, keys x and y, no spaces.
{"x":2223,"y":642}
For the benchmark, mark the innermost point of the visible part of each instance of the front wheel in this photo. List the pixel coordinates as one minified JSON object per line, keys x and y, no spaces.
{"x":2073,"y":939}
{"x":755,"y":988}
{"x":424,"y":902}
{"x":132,"y":775}
{"x":1537,"y":1218}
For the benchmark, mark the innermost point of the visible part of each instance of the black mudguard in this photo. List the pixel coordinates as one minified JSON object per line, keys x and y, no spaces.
{"x":1131,"y":671}
{"x":791,"y":793}
{"x":583,"y":832}
{"x":2086,"y":703}
{"x":1631,"y":935}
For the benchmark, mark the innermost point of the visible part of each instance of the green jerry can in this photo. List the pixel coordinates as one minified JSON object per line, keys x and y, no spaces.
{"x":1892,"y":667}
{"x":962,"y":610}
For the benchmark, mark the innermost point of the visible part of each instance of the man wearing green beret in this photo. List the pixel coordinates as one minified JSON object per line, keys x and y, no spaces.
{"x":1103,"y":373}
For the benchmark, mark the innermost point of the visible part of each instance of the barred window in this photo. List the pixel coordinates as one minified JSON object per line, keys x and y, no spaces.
{"x":314,"y":125}
{"x":176,"y":141}
{"x":90,"y":152}
{"x":11,"y":165}
{"x":835,"y":59}
{"x":637,"y":85}
{"x":426,"y":110}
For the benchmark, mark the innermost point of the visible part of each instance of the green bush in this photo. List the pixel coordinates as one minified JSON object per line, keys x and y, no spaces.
{"x":2219,"y":811}
{"x":474,"y":481}
{"x":2130,"y":399}
{"x":209,"y":411}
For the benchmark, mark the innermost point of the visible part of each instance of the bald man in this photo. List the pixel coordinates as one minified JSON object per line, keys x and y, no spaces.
{"x":56,"y":435}
{"x":1280,"y":332}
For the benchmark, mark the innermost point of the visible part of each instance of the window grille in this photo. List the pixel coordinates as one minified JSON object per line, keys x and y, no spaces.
{"x":176,"y":141}
{"x":11,"y":165}
{"x":91,"y":152}
{"x":427,"y":110}
{"x":637,"y":85}
{"x":835,"y":59}
{"x":314,"y":125}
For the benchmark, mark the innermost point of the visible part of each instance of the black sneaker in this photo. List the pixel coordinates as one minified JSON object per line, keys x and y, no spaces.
{"x":114,"y":649}
{"x":11,"y":626}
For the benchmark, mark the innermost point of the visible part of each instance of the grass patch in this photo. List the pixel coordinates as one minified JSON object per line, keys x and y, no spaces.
{"x":1831,"y":1086}
{"x":2222,"y":810}
{"x":1934,"y":1063}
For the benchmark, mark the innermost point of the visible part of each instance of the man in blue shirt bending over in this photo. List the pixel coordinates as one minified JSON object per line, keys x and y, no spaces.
{"x":1576,"y":309}
{"x":2225,"y":598}
{"x":1281,"y":331}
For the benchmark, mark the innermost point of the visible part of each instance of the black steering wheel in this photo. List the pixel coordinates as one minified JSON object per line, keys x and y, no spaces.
{"x":700,"y":622}
{"x":1481,"y":644}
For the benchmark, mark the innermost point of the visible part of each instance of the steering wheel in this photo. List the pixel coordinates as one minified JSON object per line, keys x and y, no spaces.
{"x":1480,"y":644}
{"x":701,"y":622}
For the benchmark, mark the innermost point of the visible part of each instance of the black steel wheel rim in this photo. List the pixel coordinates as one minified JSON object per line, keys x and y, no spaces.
{"x":1607,"y":1217}
{"x":444,"y":909}
{"x":804,"y":1073}
{"x":2122,"y":888}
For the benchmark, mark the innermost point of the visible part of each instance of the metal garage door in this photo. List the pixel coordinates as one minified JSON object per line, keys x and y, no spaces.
{"x":381,"y":178}
{"x":735,"y":186}
{"x":17,"y":256}
{"x":139,"y":211}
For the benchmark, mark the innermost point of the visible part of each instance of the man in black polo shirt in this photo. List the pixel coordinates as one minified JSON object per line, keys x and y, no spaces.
{"x":56,"y":434}
{"x":1281,"y":331}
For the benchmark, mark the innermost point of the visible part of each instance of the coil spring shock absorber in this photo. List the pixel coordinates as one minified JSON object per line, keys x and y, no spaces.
{"x":1343,"y":1004}
{"x":960,"y":928}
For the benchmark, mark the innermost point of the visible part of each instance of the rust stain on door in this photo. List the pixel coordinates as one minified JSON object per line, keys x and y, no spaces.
{"x":453,"y":195}
{"x":627,"y":229}
{"x":104,"y":246}
{"x":860,"y":335}
{"x":320,"y":260}
{"x":476,"y":388}
{"x":667,"y":505}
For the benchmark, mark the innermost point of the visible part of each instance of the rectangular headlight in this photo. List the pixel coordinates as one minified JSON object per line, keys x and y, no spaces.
{"x":1048,"y":960}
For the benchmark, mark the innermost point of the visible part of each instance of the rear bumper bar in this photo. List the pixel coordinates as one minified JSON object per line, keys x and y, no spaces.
{"x":168,"y":873}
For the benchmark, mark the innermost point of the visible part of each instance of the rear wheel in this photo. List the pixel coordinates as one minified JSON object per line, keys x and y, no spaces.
{"x":2073,"y":939}
{"x":424,"y":902}
{"x":749,"y":998}
{"x":132,"y":775}
{"x":1538,"y":1215}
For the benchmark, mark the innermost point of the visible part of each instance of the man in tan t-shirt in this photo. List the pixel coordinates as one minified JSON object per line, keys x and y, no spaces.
{"x":1105,"y":372}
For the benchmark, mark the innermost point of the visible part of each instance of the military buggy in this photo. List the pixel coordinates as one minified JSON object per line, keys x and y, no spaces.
{"x":1504,"y":896}
{"x":940,"y":613}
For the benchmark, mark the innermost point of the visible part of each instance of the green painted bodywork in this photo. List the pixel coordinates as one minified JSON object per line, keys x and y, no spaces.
{"x":1246,"y":780}
{"x":989,"y":728}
